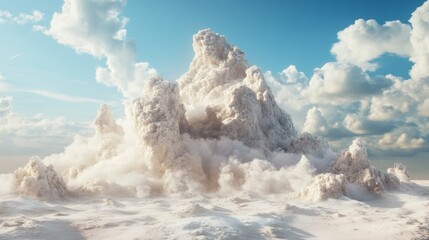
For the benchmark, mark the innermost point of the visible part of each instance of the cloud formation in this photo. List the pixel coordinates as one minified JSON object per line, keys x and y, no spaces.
{"x":22,"y":18}
{"x":39,"y":134}
{"x":343,"y":99}
{"x":340,"y":100}
{"x":96,"y":27}
{"x":235,"y":140}
{"x":337,"y":83}
{"x":364,"y":41}
{"x":420,"y":42}
{"x":64,"y":97}
{"x":402,"y":141}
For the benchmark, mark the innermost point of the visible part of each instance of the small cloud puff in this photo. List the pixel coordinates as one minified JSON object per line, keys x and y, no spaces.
{"x":22,"y":18}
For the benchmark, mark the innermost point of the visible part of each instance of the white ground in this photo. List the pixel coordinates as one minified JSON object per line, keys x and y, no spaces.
{"x":396,"y":215}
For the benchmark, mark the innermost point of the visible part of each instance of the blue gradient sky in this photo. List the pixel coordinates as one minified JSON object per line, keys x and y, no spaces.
{"x":273,"y":34}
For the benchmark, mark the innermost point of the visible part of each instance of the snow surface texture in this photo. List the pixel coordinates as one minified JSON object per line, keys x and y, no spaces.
{"x":217,"y":130}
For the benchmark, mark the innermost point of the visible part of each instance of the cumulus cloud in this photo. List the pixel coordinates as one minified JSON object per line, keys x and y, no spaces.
{"x":239,"y":141}
{"x":364,"y":41}
{"x":22,"y":18}
{"x":402,"y":141}
{"x":424,"y":108}
{"x":315,"y":122}
{"x":337,"y":83}
{"x":242,"y":140}
{"x":343,"y":98}
{"x":292,"y":75}
{"x":394,"y":103}
{"x":96,"y":27}
{"x":360,"y":125}
{"x":218,"y":129}
{"x":420,"y":42}
{"x":287,"y":87}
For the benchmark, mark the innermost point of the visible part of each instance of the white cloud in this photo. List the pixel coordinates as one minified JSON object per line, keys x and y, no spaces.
{"x":13,"y":57}
{"x":40,"y":134}
{"x":22,"y":18}
{"x":292,"y":75}
{"x":364,"y":41}
{"x":5,"y":16}
{"x":330,"y":127}
{"x":315,"y":123}
{"x":336,"y":83}
{"x":96,"y":27}
{"x":394,"y":103}
{"x":65,"y":97}
{"x":420,"y":42}
{"x":342,"y":100}
{"x":403,"y":141}
{"x":424,"y":108}
{"x":287,"y":93}
{"x":359,"y":124}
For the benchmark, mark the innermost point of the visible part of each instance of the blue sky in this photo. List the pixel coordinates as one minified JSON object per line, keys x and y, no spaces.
{"x":47,"y":79}
{"x":273,"y":34}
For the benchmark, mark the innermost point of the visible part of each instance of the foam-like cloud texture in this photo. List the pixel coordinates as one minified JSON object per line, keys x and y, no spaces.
{"x":217,"y":130}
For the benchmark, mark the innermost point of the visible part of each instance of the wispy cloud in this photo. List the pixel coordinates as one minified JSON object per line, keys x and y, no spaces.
{"x":3,"y":86}
{"x":21,"y":18}
{"x":13,"y":57}
{"x":65,"y":97}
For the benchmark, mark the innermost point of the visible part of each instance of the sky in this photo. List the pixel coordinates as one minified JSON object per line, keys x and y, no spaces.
{"x":342,"y":69}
